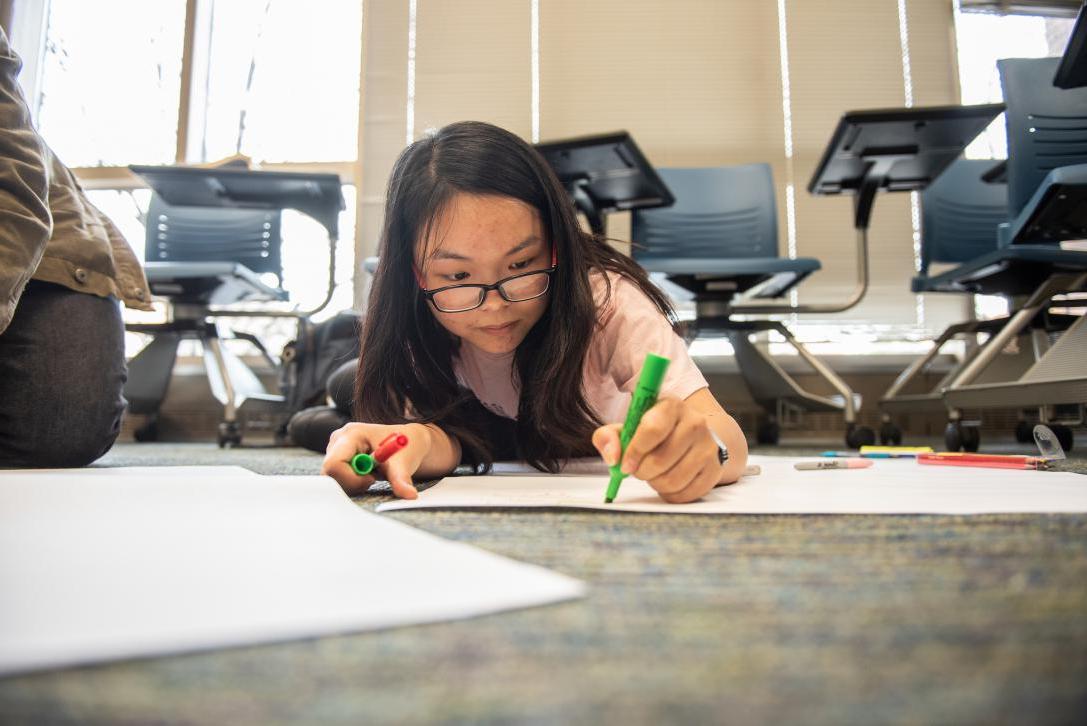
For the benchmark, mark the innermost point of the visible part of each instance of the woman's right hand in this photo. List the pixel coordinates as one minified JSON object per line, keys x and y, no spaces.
{"x":364,"y":438}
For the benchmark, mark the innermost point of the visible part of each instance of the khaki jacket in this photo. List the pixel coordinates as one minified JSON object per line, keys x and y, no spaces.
{"x":48,"y":229}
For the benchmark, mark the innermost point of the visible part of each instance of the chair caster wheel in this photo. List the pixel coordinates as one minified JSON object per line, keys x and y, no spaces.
{"x":890,"y":435}
{"x":768,"y":432}
{"x":149,"y":431}
{"x":858,"y":436}
{"x":229,"y":434}
{"x":960,"y":437}
{"x":1024,"y":432}
{"x":1064,"y":436}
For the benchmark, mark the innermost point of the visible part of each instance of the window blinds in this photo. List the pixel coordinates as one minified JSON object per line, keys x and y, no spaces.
{"x":697,"y":83}
{"x":473,"y":63}
{"x":848,"y":55}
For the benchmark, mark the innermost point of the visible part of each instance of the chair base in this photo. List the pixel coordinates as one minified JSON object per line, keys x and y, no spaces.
{"x":912,"y":403}
{"x":999,"y":384}
{"x":776,"y":391}
{"x":894,"y":401}
{"x":1057,"y":377}
{"x":1016,"y":367}
{"x":232,"y":382}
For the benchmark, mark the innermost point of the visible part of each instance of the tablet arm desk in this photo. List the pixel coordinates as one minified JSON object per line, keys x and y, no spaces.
{"x":605,"y":173}
{"x":316,"y":195}
{"x":896,"y":150}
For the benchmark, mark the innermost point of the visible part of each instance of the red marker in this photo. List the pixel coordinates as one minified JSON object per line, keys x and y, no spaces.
{"x":363,"y":464}
{"x":985,"y":461}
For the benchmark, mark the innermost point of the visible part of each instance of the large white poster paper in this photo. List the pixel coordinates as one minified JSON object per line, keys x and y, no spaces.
{"x":96,"y":567}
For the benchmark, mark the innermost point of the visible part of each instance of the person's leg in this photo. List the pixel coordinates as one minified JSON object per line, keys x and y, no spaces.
{"x":62,"y":369}
{"x":341,"y":386}
{"x":311,"y":427}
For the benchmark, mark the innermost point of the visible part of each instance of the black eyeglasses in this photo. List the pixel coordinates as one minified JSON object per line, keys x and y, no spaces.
{"x":515,"y":288}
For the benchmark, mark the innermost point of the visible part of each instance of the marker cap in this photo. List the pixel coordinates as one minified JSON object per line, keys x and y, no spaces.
{"x":1048,"y":445}
{"x":653,"y":370}
{"x":362,"y":464}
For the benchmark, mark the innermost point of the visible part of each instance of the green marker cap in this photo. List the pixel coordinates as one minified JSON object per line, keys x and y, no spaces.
{"x":362,"y":464}
{"x":653,"y":370}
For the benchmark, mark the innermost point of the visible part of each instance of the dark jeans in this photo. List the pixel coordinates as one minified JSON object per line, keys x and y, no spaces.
{"x":62,"y":368}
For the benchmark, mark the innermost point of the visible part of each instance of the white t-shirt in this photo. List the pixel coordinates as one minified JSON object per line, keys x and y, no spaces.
{"x":629,"y":325}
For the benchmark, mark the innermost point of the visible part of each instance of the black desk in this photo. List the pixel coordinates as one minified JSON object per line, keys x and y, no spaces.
{"x":895,"y":150}
{"x":898,"y":150}
{"x":606,"y":173}
{"x":317,"y":195}
{"x":1072,"y":71}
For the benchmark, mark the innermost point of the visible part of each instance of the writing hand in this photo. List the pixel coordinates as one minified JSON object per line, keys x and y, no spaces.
{"x":672,"y":450}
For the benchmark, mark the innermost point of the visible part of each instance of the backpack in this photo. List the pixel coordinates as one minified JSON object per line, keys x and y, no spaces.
{"x":319,"y":349}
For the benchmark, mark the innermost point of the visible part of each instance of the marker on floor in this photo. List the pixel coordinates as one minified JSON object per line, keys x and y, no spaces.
{"x":833,"y":464}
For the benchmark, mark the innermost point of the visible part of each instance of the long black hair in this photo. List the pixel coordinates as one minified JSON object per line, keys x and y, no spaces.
{"x":406,"y":356}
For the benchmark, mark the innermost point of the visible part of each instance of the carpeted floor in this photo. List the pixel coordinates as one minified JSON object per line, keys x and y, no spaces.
{"x":738,"y":619}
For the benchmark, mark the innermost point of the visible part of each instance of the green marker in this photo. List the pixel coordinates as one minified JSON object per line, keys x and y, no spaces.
{"x":645,"y":395}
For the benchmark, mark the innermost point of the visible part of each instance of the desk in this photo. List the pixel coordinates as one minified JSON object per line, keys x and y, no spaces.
{"x":894,"y":150}
{"x":605,"y":173}
{"x":749,"y":619}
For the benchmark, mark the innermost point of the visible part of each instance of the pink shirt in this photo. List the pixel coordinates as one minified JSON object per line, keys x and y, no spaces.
{"x":629,"y":326}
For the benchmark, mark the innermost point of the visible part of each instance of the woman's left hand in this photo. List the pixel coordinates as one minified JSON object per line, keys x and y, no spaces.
{"x":672,"y":450}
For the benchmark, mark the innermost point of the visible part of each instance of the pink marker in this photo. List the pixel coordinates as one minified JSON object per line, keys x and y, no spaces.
{"x":833,"y":464}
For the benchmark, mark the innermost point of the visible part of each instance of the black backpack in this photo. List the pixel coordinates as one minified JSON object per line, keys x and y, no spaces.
{"x":320,"y":349}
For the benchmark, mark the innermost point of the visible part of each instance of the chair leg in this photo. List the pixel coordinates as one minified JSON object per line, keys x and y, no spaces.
{"x":920,"y":364}
{"x":855,"y":436}
{"x":848,"y":397}
{"x":222,"y":387}
{"x":256,"y":343}
{"x":232,"y":383}
{"x":769,"y":383}
{"x":149,"y":374}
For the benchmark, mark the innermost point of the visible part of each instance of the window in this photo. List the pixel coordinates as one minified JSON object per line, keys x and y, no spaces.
{"x":272,"y":79}
{"x":282,"y":81}
{"x":984,"y":38}
{"x":110,"y":89}
{"x":115,"y":82}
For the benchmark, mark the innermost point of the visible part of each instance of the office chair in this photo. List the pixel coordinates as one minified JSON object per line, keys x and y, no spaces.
{"x":1047,"y":188}
{"x":719,"y":242}
{"x":199,"y":257}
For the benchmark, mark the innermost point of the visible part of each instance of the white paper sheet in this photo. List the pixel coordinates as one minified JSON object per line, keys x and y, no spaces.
{"x":590,"y":466}
{"x":143,"y":471}
{"x":889,"y":487}
{"x":96,"y":567}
